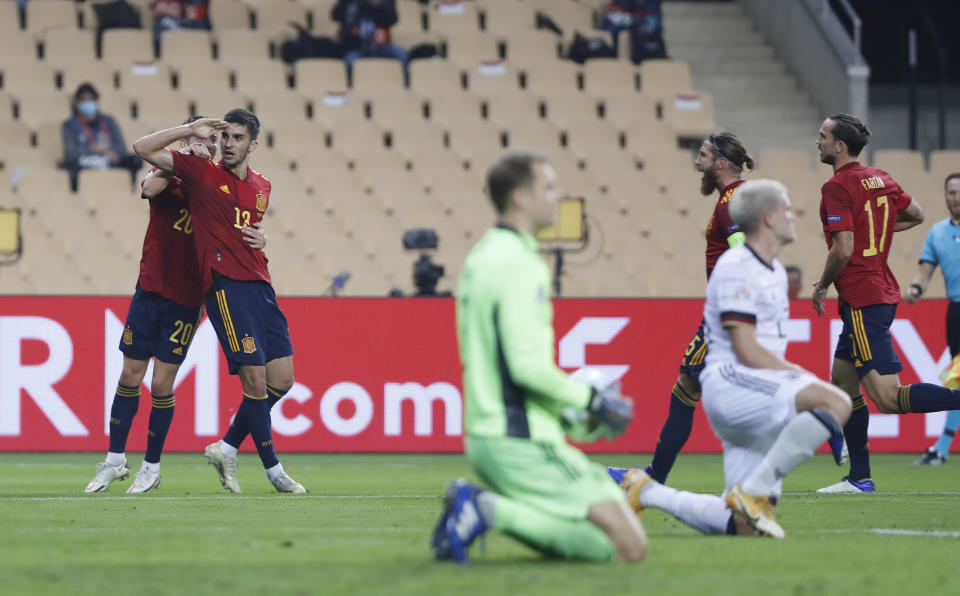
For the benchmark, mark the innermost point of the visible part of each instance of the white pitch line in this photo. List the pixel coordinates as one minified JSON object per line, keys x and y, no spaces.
{"x":95,"y":498}
{"x":898,"y":532}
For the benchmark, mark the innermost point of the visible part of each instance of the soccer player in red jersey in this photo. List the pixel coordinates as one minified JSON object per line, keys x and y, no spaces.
{"x":860,"y":209}
{"x":163,"y":315}
{"x":241,"y":303}
{"x":720,"y":160}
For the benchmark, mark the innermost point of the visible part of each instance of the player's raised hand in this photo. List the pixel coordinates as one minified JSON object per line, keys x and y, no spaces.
{"x":607,"y":408}
{"x":255,"y":235}
{"x":200,"y":150}
{"x":204,"y":127}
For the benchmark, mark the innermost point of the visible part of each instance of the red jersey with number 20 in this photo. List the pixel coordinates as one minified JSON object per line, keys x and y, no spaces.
{"x":865,"y":201}
{"x":169,"y":262}
{"x":721,"y":226}
{"x":221,"y":205}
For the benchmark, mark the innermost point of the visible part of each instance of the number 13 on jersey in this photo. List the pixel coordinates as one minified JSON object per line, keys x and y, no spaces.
{"x":243,"y":219}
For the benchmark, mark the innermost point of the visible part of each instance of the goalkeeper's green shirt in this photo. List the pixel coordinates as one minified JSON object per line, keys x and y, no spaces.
{"x":505,"y":333}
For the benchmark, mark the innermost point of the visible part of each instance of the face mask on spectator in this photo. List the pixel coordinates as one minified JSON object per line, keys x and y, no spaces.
{"x":87,"y":107}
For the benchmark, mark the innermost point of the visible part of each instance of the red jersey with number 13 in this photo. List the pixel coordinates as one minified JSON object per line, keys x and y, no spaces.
{"x":221,"y":205}
{"x":865,"y":201}
{"x":169,"y":262}
{"x":721,"y":226}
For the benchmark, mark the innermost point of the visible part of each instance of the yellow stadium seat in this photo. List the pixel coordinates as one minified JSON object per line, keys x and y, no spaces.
{"x":569,"y":15}
{"x":532,"y":48}
{"x":214,"y":103}
{"x":573,"y":106}
{"x":515,"y":105}
{"x":273,"y":107}
{"x":375,"y":74}
{"x":455,"y":106}
{"x":158,"y":81}
{"x":274,"y":16}
{"x":236,"y":46}
{"x":507,"y":16}
{"x":534,"y":135}
{"x":653,"y":135}
{"x":773,"y":161}
{"x":392,"y":106}
{"x":333,"y":108}
{"x":166,"y":109}
{"x":253,"y":76}
{"x":28,"y":77}
{"x":9,"y":18}
{"x":486,"y":79}
{"x":202,"y":75}
{"x":51,"y":14}
{"x":15,"y":133}
{"x":16,"y":46}
{"x":319,"y":75}
{"x":450,"y":20}
{"x":39,"y":183}
{"x":552,"y":77}
{"x":184,"y":47}
{"x":350,"y":138}
{"x":944,"y":162}
{"x":43,"y":106}
{"x":229,"y":15}
{"x":899,"y":163}
{"x":475,"y":139}
{"x":691,"y":115}
{"x":100,"y":74}
{"x":49,"y":136}
{"x":662,"y":77}
{"x":606,"y":75}
{"x":122,"y":47}
{"x":466,"y":50}
{"x":113,"y":182}
{"x":63,"y":47}
{"x":585,"y":136}
{"x":435,"y":76}
{"x":409,"y":19}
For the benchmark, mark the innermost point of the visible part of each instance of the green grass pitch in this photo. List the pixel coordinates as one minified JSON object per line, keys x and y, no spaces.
{"x":363,"y":530}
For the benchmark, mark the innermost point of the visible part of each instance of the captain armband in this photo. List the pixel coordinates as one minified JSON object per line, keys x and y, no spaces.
{"x":736,"y":239}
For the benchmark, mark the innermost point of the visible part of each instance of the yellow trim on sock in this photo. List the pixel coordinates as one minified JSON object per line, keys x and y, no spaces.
{"x":248,"y":396}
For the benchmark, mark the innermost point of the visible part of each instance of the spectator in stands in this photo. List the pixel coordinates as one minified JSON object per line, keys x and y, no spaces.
{"x":365,"y":29}
{"x":180,"y":14}
{"x":642,"y":19}
{"x":92,"y":139}
{"x":794,"y":280}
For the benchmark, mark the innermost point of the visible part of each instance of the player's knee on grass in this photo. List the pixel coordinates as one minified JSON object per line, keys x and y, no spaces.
{"x":690,"y":385}
{"x":622,"y":527}
{"x":133,"y":372}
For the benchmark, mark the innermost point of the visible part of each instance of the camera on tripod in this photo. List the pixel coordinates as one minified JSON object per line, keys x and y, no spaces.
{"x":426,"y":273}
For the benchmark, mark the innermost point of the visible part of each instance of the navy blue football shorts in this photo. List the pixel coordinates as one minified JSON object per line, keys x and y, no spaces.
{"x":250,"y":326}
{"x":695,"y":354}
{"x":865,"y":340}
{"x":158,"y":327}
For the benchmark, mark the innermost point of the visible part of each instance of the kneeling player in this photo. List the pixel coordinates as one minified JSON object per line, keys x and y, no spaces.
{"x":770,"y":415}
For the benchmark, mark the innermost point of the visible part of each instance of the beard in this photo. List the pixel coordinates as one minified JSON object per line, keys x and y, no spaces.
{"x":828,"y":159}
{"x":709,"y":183}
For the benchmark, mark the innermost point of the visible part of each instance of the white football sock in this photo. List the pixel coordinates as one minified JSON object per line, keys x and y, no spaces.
{"x":274,"y":472}
{"x":487,"y":505}
{"x":227,"y":449}
{"x":149,"y":466}
{"x":706,"y":513}
{"x":115,"y":459}
{"x":795,"y":445}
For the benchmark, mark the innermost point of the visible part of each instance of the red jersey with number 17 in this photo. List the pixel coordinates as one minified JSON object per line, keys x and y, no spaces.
{"x":169,"y":262}
{"x":865,"y":201}
{"x":721,"y":226}
{"x":221,"y":204}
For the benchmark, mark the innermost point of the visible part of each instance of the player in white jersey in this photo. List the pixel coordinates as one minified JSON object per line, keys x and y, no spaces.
{"x":770,"y":415}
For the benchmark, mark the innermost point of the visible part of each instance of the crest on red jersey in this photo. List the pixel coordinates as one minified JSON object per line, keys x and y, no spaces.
{"x":261,"y":202}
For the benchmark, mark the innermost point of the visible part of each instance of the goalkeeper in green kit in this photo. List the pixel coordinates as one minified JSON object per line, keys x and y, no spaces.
{"x":519,"y":404}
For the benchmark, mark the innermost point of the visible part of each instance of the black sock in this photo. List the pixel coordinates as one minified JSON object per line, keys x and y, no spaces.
{"x":126,"y":401}
{"x":274,"y":395}
{"x":926,"y":397}
{"x":254,"y":412}
{"x":238,"y":430}
{"x":161,"y":415}
{"x":855,"y":432}
{"x":674,"y":435}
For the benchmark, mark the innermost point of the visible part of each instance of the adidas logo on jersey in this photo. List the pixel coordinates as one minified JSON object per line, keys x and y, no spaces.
{"x":178,"y":351}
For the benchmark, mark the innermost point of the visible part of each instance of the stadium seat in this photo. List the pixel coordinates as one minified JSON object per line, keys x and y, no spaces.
{"x":391,"y":106}
{"x":943,"y":163}
{"x":163,"y":110}
{"x":275,"y":106}
{"x":371,"y":75}
{"x":450,"y":20}
{"x":274,"y":16}
{"x":69,"y":47}
{"x":509,"y":17}
{"x":214,"y":103}
{"x":475,"y":138}
{"x":434,"y":76}
{"x":270,"y":162}
{"x":113,"y":182}
{"x":236,"y":46}
{"x":138,"y":84}
{"x":15,"y":133}
{"x":252,"y":76}
{"x":185,"y":47}
{"x":773,"y":161}
{"x":100,"y":74}
{"x":533,"y":135}
{"x":629,"y":108}
{"x":331,"y":108}
{"x":660,"y":77}
{"x":122,"y":47}
{"x":569,"y":15}
{"x":315,"y":76}
{"x":466,"y":50}
{"x":486,"y":79}
{"x":532,"y":48}
{"x":48,"y":135}
{"x":690,"y":115}
{"x":654,"y":135}
{"x":511,"y":106}
{"x":229,"y":15}
{"x":51,"y":14}
{"x":373,"y":160}
{"x":586,"y":136}
{"x":16,"y":46}
{"x":574,"y":106}
{"x":350,"y":138}
{"x":28,"y":77}
{"x":609,"y":75}
{"x":202,"y":76}
{"x":9,"y":18}
{"x":42,"y":106}
{"x":37,"y":183}
{"x":409,"y":18}
{"x":899,"y":163}
{"x":548,"y":78}
{"x":456,"y":106}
